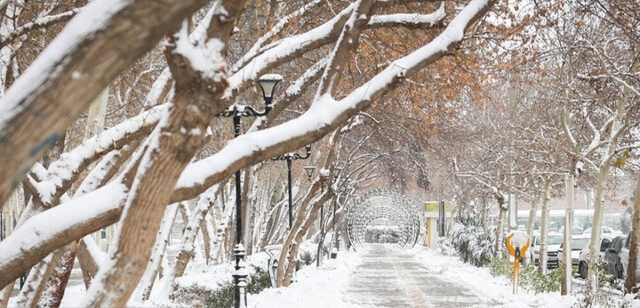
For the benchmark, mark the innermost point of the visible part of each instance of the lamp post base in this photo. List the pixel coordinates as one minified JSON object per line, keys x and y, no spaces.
{"x":240,"y":277}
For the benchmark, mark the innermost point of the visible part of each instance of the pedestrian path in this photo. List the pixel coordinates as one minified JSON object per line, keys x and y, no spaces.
{"x":392,"y":277}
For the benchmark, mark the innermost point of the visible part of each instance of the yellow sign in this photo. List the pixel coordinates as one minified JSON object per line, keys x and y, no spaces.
{"x":517,"y":253}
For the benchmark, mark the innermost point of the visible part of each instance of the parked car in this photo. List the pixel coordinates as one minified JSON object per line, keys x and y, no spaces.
{"x":624,"y":258}
{"x":583,"y":258}
{"x":578,"y":243}
{"x":613,"y":263}
{"x":553,"y":244}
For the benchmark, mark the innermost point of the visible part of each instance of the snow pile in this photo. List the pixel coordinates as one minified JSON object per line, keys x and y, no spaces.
{"x":314,"y":287}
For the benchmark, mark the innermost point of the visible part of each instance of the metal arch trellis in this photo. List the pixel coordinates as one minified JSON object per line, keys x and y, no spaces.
{"x":383,"y":204}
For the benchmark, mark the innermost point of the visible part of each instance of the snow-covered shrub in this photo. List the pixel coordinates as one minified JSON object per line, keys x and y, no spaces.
{"x":534,"y":281}
{"x":446,"y":248}
{"x":472,"y":241}
{"x":530,"y":279}
{"x":500,"y":267}
{"x":307,"y":257}
{"x":221,"y":296}
{"x":307,"y":252}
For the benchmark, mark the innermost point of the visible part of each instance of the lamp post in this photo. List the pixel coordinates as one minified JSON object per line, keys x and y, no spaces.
{"x":334,"y":251}
{"x":267,"y":84}
{"x":289,"y":157}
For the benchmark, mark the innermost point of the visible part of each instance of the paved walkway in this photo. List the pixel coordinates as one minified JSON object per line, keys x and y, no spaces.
{"x":390,"y":277}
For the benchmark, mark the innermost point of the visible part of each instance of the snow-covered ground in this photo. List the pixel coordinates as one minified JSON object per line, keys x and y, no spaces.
{"x":314,"y":287}
{"x":331,"y":285}
{"x":419,"y":277}
{"x":485,"y":285}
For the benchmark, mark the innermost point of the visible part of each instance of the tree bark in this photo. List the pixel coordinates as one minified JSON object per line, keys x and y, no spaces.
{"x":381,"y":85}
{"x":159,"y":249}
{"x":44,"y":101}
{"x":36,"y":281}
{"x":171,"y":148}
{"x":88,"y":264}
{"x":596,"y":226}
{"x":567,"y":264}
{"x":531,"y":221}
{"x":542,"y":266}
{"x":630,"y":282}
{"x":299,"y":236}
{"x":499,"y":225}
{"x":57,"y":282}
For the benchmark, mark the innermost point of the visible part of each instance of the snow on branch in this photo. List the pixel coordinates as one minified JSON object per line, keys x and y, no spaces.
{"x":293,"y":46}
{"x":25,"y":244}
{"x":275,"y":30}
{"x":408,"y":20}
{"x":293,"y":92}
{"x":323,"y":116}
{"x":76,"y":219}
{"x":39,"y":23}
{"x":288,"y":48}
{"x":73,"y":69}
{"x":203,"y":57}
{"x":92,"y":18}
{"x":63,"y":171}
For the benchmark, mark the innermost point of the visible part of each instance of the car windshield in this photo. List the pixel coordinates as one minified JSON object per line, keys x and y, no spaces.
{"x":554,"y":239}
{"x":579,"y":243}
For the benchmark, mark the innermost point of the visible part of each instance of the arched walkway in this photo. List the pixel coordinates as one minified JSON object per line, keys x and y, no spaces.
{"x":384,"y":216}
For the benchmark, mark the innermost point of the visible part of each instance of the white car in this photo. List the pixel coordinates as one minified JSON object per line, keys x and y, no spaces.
{"x":553,"y":244}
{"x":583,"y":257}
{"x":578,"y":243}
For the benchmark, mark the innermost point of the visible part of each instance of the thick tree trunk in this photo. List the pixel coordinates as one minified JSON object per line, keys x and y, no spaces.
{"x":172,"y":146}
{"x":566,"y":262}
{"x":286,"y":257}
{"x":206,"y":241}
{"x":36,"y":281}
{"x":88,"y":264}
{"x":542,"y":258}
{"x":60,"y":91}
{"x":499,"y":225}
{"x":630,"y":282}
{"x":5,"y":295}
{"x":298,"y":238}
{"x":596,"y":227}
{"x":531,"y":221}
{"x":57,"y":282}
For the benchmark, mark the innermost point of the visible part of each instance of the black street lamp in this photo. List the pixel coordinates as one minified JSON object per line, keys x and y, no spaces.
{"x":334,"y":252}
{"x":267,"y":84}
{"x":289,"y":157}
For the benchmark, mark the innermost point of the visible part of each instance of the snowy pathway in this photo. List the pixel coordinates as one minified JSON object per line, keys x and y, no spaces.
{"x":391,"y":277}
{"x":384,"y":276}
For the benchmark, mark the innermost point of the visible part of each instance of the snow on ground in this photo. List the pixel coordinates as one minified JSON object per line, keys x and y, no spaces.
{"x":485,"y":285}
{"x":328,"y":285}
{"x":314,"y":287}
{"x":325,"y":286}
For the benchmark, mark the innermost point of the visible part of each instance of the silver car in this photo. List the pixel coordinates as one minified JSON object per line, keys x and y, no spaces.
{"x":553,"y":245}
